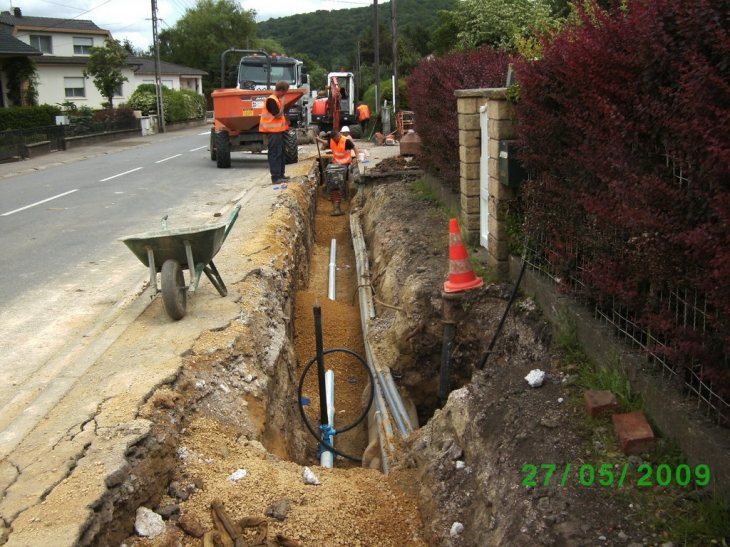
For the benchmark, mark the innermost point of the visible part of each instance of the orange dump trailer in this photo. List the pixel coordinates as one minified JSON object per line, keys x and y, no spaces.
{"x":237,"y":113}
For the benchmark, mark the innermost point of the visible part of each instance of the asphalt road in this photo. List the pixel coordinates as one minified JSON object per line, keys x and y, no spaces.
{"x":63,"y":268}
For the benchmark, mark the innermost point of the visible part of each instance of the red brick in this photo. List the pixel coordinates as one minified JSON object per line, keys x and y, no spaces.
{"x":634,"y":433}
{"x":600,"y":402}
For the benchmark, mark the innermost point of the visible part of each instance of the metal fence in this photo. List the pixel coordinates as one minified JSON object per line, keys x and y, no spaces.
{"x":685,"y":307}
{"x":13,"y":142}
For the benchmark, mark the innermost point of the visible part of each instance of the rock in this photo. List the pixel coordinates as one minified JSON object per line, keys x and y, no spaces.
{"x":189,"y":524}
{"x":622,"y":537}
{"x":176,"y":490}
{"x":148,"y":523}
{"x":198,"y":483}
{"x":168,"y":511}
{"x":454,"y":452}
{"x":535,"y":378}
{"x":309,"y":478}
{"x":456,"y":529}
{"x":279,"y":510}
{"x":460,"y":464}
{"x":236,"y":475}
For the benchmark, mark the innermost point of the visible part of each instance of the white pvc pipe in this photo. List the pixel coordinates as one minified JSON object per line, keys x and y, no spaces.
{"x":331,"y":293}
{"x":327,"y":457}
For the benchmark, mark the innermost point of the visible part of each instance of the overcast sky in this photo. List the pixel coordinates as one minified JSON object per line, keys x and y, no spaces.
{"x":132,"y":18}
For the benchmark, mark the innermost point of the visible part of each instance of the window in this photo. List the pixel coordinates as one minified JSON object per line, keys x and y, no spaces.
{"x":74,"y":87}
{"x":118,"y":91}
{"x":82,"y":46}
{"x":41,"y":43}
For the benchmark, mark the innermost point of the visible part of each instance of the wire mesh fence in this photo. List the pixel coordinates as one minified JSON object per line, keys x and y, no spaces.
{"x":685,"y":308}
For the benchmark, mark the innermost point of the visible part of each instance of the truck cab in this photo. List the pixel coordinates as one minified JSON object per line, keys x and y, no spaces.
{"x":256,"y":72}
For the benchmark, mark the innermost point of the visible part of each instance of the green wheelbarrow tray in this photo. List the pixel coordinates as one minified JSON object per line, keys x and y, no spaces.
{"x":169,"y":252}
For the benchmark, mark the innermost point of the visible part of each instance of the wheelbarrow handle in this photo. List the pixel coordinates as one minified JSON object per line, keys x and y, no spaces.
{"x":231,"y":220}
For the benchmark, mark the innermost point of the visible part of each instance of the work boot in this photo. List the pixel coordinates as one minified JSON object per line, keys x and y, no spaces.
{"x":336,"y":211}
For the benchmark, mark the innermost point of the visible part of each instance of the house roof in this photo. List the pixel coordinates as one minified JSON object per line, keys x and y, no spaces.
{"x":49,"y":24}
{"x":147,"y":66}
{"x":10,"y":45}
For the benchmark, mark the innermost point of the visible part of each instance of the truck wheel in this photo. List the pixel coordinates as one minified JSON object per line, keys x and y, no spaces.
{"x":174,"y":291}
{"x":291,"y":151}
{"x":212,"y":144}
{"x":356,"y":131}
{"x":222,"y":149}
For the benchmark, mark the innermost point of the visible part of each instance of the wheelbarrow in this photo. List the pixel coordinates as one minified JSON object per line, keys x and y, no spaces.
{"x":172,"y":251}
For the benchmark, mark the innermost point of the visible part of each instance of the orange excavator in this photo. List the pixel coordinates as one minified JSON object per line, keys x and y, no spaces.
{"x":237,"y":114}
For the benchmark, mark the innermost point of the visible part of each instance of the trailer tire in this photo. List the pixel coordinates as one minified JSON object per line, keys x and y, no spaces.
{"x":212,"y":144}
{"x":222,"y":149}
{"x":356,"y":131}
{"x":291,"y":150}
{"x":174,"y":291}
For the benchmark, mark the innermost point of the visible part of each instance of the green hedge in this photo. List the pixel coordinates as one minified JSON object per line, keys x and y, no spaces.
{"x":179,"y":105}
{"x":27,"y":117}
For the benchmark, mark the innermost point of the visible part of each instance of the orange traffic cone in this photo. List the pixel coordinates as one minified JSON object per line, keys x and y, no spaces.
{"x":461,"y":274}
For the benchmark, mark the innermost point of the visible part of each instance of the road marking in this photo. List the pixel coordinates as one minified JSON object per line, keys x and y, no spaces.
{"x":206,"y":133}
{"x":171,"y":157}
{"x":39,"y":202}
{"x":120,"y":174}
{"x":199,"y":148}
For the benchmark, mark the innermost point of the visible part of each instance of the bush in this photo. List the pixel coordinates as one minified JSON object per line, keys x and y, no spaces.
{"x":431,"y":96}
{"x":626,"y":121}
{"x":116,"y":114}
{"x":179,"y":105}
{"x":27,"y":117}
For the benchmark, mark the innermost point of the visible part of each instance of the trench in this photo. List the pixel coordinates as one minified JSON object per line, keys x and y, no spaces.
{"x":235,"y":409}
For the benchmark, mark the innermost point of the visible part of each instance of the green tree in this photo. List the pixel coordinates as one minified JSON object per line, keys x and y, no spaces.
{"x":22,"y":81}
{"x":105,"y":66}
{"x":445,"y":35}
{"x":200,"y":37}
{"x":500,"y":23}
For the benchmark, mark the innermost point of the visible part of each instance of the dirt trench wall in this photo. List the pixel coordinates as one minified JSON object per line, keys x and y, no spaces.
{"x":242,"y":376}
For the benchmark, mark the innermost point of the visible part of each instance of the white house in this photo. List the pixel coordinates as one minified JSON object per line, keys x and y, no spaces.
{"x":65,"y":45}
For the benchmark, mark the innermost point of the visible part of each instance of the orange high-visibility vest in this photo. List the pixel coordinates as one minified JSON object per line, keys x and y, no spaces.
{"x":271,"y":124}
{"x":363,"y":112}
{"x":340,"y":153}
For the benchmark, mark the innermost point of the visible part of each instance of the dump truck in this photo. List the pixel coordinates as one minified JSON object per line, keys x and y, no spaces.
{"x":237,"y":110}
{"x":338,"y":108}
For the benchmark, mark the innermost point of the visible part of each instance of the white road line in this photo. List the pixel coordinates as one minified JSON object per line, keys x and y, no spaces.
{"x":206,"y":133}
{"x":120,"y":174}
{"x":39,"y":202}
{"x":171,"y":157}
{"x":199,"y":148}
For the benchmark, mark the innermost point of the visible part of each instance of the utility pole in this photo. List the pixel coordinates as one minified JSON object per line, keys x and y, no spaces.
{"x":394,"y":34}
{"x":158,"y":78}
{"x":376,"y":38}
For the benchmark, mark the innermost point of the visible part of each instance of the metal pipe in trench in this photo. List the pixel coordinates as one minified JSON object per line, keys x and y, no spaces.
{"x":391,"y":393}
{"x":331,"y":293}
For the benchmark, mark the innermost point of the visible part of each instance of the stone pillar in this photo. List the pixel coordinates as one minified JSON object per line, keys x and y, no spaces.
{"x":473,"y":180}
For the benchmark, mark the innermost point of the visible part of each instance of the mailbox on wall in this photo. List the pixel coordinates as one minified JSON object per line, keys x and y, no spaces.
{"x":511,"y":171}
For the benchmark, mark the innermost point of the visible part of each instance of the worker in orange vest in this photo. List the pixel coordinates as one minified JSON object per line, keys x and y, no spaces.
{"x":341,"y":147}
{"x":363,"y":116}
{"x":275,"y":124}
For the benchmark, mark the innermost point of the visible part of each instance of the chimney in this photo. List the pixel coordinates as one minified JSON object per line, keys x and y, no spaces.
{"x":17,"y":12}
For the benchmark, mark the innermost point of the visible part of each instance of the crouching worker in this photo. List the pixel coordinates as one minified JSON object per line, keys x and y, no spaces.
{"x":340,"y":172}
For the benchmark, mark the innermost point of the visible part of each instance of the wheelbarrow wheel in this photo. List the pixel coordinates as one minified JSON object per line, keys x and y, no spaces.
{"x":174,"y":291}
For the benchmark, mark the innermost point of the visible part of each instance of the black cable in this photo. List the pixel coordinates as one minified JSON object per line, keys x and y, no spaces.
{"x":504,"y":315}
{"x":356,"y":422}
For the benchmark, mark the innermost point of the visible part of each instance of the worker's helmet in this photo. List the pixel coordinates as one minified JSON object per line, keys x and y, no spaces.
{"x":345,"y":129}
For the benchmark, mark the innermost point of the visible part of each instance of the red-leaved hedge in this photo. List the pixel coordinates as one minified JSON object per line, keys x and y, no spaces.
{"x":626,"y":121}
{"x":431,"y":89}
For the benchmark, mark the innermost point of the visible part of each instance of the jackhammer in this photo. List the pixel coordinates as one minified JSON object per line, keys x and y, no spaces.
{"x":336,"y":177}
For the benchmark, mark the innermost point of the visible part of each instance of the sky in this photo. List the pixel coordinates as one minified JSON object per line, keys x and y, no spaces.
{"x":132,"y":19}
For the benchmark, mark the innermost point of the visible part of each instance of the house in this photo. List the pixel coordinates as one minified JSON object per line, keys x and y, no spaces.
{"x":171,"y":75}
{"x":60,"y":50}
